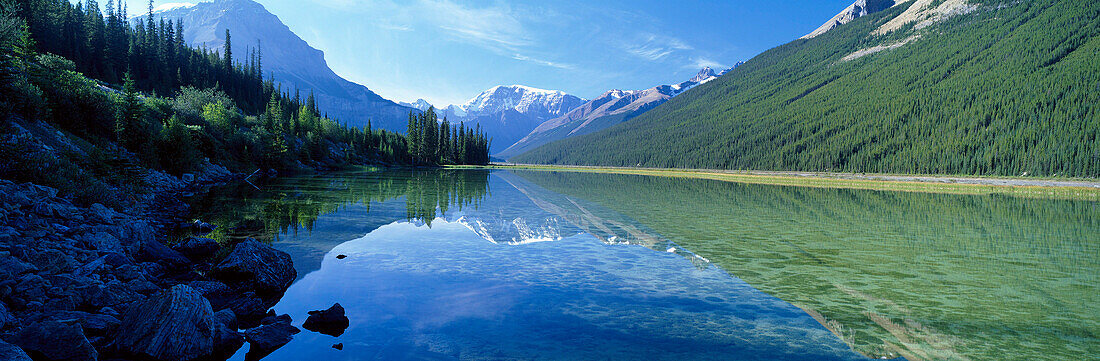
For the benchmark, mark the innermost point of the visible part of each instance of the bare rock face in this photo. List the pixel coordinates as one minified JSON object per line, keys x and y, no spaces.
{"x":56,"y":341}
{"x":857,"y":10}
{"x":176,"y":325}
{"x":253,"y":263}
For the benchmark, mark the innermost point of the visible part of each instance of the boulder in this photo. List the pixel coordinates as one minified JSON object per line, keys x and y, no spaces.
{"x":102,"y":213}
{"x":198,"y":248}
{"x":157,"y":252}
{"x":264,"y":340}
{"x":226,"y":338}
{"x":271,"y":318}
{"x":11,"y":352}
{"x":176,"y":325}
{"x":209,"y":288}
{"x":331,"y":322}
{"x":252,"y":263}
{"x":104,"y":241}
{"x":52,"y":340}
{"x":92,"y":324}
{"x":5,"y":316}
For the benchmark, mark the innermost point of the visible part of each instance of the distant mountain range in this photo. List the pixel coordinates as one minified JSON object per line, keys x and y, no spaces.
{"x":610,"y":108}
{"x":293,"y":62}
{"x":918,"y":86}
{"x":507,"y":113}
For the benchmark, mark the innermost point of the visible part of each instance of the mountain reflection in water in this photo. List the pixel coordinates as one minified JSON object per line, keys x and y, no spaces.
{"x":468,"y":264}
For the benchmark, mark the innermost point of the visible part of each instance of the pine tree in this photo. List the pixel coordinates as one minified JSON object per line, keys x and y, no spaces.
{"x":228,"y":53}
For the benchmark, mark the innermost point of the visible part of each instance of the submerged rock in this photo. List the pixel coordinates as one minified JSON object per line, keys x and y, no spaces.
{"x":11,"y":352}
{"x":331,"y":322}
{"x":176,"y":325}
{"x":55,"y":341}
{"x":266,"y":339}
{"x":253,"y":263}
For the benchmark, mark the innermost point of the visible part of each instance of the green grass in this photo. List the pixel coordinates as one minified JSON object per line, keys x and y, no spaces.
{"x":833,"y":181}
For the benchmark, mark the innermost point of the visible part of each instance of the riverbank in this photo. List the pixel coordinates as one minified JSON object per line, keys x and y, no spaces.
{"x":1084,"y":189}
{"x":92,"y":282}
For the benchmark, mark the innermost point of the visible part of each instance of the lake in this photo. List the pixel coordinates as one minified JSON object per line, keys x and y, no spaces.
{"x":554,"y":265}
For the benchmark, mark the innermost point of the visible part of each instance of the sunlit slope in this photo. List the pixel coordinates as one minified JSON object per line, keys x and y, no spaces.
{"x":924,"y":276}
{"x":1005,"y":88}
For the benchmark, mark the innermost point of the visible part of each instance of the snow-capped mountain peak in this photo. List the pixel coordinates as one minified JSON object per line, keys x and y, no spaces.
{"x":523,"y":99}
{"x":172,"y":6}
{"x":704,"y":75}
{"x":420,"y":104}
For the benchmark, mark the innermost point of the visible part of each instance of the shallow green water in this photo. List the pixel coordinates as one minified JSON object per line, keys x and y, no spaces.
{"x":723,"y":269}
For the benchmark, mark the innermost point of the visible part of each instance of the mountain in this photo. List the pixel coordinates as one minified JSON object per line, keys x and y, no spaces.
{"x":610,"y":108}
{"x":930,"y":87}
{"x":858,"y":9}
{"x":293,"y":62}
{"x":507,"y":113}
{"x":420,"y":104}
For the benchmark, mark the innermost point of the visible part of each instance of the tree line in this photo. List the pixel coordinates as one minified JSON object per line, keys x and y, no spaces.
{"x":138,"y":95}
{"x":434,"y":142}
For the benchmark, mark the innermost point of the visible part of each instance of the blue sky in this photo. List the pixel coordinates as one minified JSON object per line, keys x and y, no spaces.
{"x":448,"y":51}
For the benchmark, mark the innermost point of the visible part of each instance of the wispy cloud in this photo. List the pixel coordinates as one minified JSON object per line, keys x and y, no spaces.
{"x":495,"y":28}
{"x":543,"y":62}
{"x":654,"y":47}
{"x":699,"y":63}
{"x":395,"y":27}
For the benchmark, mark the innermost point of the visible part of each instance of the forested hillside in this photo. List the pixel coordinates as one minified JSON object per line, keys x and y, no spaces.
{"x":1009,"y":87}
{"x":132,"y":98}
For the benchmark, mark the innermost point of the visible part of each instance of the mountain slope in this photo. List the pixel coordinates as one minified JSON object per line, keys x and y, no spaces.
{"x":999,"y":88}
{"x":292,"y":61}
{"x":858,"y":9}
{"x":507,"y":113}
{"x":610,"y":108}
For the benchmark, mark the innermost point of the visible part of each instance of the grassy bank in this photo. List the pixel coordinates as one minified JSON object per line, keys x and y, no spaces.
{"x":882,"y":182}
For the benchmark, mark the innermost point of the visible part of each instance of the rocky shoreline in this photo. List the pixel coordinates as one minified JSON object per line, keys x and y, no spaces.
{"x":92,"y":283}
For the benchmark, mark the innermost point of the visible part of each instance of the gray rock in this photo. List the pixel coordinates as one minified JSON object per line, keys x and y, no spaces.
{"x":331,"y":322}
{"x":92,"y":324}
{"x":209,"y":288}
{"x":11,"y":267}
{"x":103,"y":241}
{"x":102,"y":213}
{"x":265,"y":269}
{"x":5,"y":316}
{"x":157,"y":252}
{"x":52,"y":340}
{"x":198,"y":248}
{"x":264,"y":340}
{"x":226,"y":338}
{"x":11,"y":352}
{"x":176,"y":325}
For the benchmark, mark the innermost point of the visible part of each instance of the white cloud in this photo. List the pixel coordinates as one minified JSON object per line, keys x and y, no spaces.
{"x":654,"y":47}
{"x":699,"y":63}
{"x":496,"y":28}
{"x":543,"y":62}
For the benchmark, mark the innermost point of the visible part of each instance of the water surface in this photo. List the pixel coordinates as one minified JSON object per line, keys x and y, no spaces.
{"x":580,"y":266}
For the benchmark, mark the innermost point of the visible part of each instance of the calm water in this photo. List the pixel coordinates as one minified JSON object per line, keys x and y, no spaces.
{"x":508,"y":265}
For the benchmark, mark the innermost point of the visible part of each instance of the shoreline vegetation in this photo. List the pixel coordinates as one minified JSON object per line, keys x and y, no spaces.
{"x":1056,"y":188}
